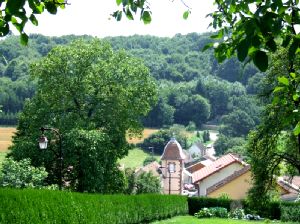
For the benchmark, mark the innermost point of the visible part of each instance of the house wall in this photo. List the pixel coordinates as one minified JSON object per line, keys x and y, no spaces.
{"x":172,"y":184}
{"x":236,"y":189}
{"x":218,"y":176}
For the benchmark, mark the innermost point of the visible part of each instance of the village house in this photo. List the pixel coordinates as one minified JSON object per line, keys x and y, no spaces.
{"x":209,"y":176}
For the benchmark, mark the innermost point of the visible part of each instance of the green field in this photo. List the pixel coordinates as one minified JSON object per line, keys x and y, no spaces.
{"x":193,"y":220}
{"x":135,"y":158}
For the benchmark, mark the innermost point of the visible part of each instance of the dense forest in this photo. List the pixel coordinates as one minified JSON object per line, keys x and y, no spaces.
{"x":193,"y":88}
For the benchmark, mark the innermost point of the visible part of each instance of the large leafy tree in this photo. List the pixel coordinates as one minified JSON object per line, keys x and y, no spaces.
{"x":274,"y":140}
{"x":94,"y":96}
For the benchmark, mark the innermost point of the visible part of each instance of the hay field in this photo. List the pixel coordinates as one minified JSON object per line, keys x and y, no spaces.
{"x":6,"y":134}
{"x":146,"y":133}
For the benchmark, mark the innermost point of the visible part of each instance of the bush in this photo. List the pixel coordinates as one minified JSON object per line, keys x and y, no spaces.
{"x":20,"y":174}
{"x":212,"y":212}
{"x":237,"y":214}
{"x":44,"y":206}
{"x":197,"y":203}
{"x":146,"y":182}
{"x":148,"y":160}
{"x":204,"y":213}
{"x":290,"y":212}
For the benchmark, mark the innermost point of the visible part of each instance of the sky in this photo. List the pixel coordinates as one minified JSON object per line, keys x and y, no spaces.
{"x":92,"y":17}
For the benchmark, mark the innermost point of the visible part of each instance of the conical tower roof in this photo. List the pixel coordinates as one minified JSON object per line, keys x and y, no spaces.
{"x":173,"y":151}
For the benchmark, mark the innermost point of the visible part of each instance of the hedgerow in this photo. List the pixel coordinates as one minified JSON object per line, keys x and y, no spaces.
{"x":45,"y":206}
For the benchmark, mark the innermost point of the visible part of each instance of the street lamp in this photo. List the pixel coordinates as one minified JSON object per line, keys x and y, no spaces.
{"x":43,"y":144}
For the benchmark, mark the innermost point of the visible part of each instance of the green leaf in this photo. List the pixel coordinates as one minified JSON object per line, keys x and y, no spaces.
{"x":271,"y":45}
{"x":293,"y":75}
{"x":278,"y":89}
{"x":51,"y":7}
{"x":146,"y":17}
{"x":286,"y":41}
{"x":293,"y":48}
{"x":129,"y":14}
{"x":13,"y":6}
{"x":297,"y":129}
{"x":24,"y":38}
{"x":260,"y":60}
{"x":207,"y":46}
{"x":186,"y":14}
{"x":118,"y":2}
{"x":33,"y":20}
{"x":242,"y":50}
{"x":283,"y":80}
{"x":296,"y":97}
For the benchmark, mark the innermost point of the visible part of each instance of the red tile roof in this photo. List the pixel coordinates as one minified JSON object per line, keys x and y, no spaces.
{"x":217,"y":165}
{"x":173,"y":151}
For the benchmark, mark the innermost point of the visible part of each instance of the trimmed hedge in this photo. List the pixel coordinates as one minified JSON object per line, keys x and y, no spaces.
{"x":197,"y":203}
{"x":290,"y":212}
{"x":45,"y":206}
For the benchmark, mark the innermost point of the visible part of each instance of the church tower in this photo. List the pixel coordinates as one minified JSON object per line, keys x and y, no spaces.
{"x":172,"y":167}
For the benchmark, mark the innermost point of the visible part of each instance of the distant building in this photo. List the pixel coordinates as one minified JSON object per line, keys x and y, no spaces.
{"x":172,"y":161}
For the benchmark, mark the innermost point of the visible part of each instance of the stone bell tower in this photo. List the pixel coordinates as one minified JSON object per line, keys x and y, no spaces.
{"x":172,"y":167}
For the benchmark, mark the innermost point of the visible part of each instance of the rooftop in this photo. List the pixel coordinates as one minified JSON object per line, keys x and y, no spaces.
{"x":214,"y":167}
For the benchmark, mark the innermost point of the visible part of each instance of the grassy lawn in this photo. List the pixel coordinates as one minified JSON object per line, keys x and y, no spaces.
{"x":193,"y":220}
{"x":135,"y":158}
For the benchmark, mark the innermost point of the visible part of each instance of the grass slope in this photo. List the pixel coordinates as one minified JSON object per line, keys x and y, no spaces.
{"x":193,"y":220}
{"x":135,"y":158}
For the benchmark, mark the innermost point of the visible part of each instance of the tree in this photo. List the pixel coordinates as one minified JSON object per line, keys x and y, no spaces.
{"x":94,"y":96}
{"x":141,"y":183}
{"x":253,"y":30}
{"x":236,"y":124}
{"x":158,"y":140}
{"x":19,"y":12}
{"x":194,"y":108}
{"x":22,"y":174}
{"x":274,"y":140}
{"x":146,"y":182}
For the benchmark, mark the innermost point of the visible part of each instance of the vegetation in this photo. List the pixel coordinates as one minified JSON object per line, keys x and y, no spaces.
{"x":83,"y":90}
{"x":45,"y":206}
{"x":21,"y":174}
{"x":19,"y":12}
{"x":193,"y":220}
{"x":135,"y":158}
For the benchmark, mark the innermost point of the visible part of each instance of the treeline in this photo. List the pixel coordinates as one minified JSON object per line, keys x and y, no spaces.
{"x":193,"y":87}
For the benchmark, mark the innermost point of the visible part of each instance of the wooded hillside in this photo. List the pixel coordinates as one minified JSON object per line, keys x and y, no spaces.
{"x":193,"y":87}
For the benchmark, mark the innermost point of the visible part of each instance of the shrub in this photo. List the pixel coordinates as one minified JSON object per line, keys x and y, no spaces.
{"x":237,"y":214}
{"x":148,"y":160}
{"x":290,"y":212}
{"x":204,"y":213}
{"x":219,"y":212}
{"x":44,"y":206}
{"x":197,"y":203}
{"x":212,"y":212}
{"x":146,"y":182}
{"x":20,"y":174}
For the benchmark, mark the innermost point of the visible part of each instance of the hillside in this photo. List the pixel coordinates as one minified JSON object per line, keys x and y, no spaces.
{"x":193,"y":87}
